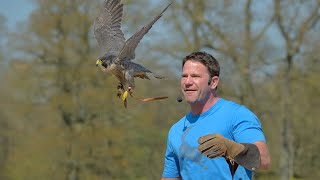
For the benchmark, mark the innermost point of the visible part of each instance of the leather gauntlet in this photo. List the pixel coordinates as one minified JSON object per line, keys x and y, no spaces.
{"x":215,"y":145}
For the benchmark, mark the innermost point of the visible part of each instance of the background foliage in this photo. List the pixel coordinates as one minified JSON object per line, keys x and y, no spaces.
{"x":60,"y":118}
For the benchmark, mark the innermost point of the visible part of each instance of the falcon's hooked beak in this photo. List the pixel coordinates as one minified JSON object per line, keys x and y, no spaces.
{"x":99,"y":62}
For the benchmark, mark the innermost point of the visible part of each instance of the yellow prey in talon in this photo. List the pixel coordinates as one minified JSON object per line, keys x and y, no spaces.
{"x":125,"y":95}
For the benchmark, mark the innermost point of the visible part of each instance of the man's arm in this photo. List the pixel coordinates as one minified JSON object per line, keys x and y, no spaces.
{"x":251,"y":156}
{"x":265,"y":160}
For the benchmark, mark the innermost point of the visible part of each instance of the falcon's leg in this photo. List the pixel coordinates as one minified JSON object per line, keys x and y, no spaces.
{"x":120,"y":89}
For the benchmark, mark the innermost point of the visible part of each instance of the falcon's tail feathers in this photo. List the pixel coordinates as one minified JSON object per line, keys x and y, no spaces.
{"x":157,"y":76}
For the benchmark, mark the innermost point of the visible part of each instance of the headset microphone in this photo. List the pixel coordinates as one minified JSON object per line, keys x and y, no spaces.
{"x":179,"y":99}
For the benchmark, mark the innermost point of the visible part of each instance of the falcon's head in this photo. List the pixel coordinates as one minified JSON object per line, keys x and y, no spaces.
{"x":99,"y":62}
{"x":105,"y":61}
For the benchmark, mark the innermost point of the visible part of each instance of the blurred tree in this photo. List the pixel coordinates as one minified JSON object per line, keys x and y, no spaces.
{"x":294,"y":30}
{"x":4,"y":142}
{"x":3,"y":33}
{"x":57,"y":53}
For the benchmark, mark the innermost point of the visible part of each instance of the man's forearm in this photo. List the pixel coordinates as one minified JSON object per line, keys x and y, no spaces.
{"x":249,"y":157}
{"x":265,"y":161}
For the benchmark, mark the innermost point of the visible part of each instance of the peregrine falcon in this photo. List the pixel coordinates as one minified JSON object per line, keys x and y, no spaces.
{"x":116,"y":52}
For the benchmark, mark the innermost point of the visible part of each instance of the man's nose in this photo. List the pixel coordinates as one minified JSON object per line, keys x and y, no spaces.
{"x":189,"y":80}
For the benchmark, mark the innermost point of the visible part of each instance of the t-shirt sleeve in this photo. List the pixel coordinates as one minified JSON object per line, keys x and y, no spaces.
{"x":246,"y":126}
{"x":171,"y":163}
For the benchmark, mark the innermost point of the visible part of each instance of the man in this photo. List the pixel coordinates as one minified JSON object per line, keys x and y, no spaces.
{"x":218,"y":139}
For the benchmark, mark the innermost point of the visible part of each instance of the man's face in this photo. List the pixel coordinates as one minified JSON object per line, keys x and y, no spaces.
{"x":194,"y":82}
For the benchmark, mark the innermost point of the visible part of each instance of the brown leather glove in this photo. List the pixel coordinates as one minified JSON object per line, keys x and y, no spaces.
{"x":215,"y":145}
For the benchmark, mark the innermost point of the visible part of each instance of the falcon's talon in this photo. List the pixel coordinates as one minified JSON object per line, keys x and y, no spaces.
{"x":120,"y":86}
{"x":119,"y":93}
{"x":130,"y":91}
{"x":120,"y":89}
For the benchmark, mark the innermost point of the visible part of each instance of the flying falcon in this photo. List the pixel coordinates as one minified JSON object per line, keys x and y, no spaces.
{"x":116,"y":52}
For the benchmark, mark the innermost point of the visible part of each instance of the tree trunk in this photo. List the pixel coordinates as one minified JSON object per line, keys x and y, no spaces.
{"x":286,"y":158}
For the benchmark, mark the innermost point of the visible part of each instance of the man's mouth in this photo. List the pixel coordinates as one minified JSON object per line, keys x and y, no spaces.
{"x":188,"y":90}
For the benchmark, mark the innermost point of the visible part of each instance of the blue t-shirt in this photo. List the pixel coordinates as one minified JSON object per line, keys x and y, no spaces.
{"x":227,"y":118}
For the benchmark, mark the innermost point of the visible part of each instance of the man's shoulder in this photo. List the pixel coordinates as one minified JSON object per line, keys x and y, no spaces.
{"x":229,"y":104}
{"x":234,"y":108}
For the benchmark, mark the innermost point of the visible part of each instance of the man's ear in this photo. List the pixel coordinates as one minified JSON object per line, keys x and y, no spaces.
{"x":214,"y":82}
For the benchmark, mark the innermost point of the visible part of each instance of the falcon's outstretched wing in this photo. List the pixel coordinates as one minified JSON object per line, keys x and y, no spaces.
{"x":107,"y":28}
{"x":128,"y":50}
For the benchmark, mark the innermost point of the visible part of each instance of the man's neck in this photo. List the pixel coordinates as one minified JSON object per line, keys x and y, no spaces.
{"x":200,"y":108}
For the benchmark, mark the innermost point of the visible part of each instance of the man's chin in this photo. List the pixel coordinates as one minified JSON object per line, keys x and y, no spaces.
{"x":190,"y":100}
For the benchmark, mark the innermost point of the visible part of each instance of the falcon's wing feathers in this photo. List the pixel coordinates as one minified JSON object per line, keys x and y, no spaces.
{"x":107,"y":28}
{"x":128,"y":50}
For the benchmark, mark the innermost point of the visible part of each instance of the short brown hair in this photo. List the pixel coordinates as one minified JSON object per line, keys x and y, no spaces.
{"x":207,"y":60}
